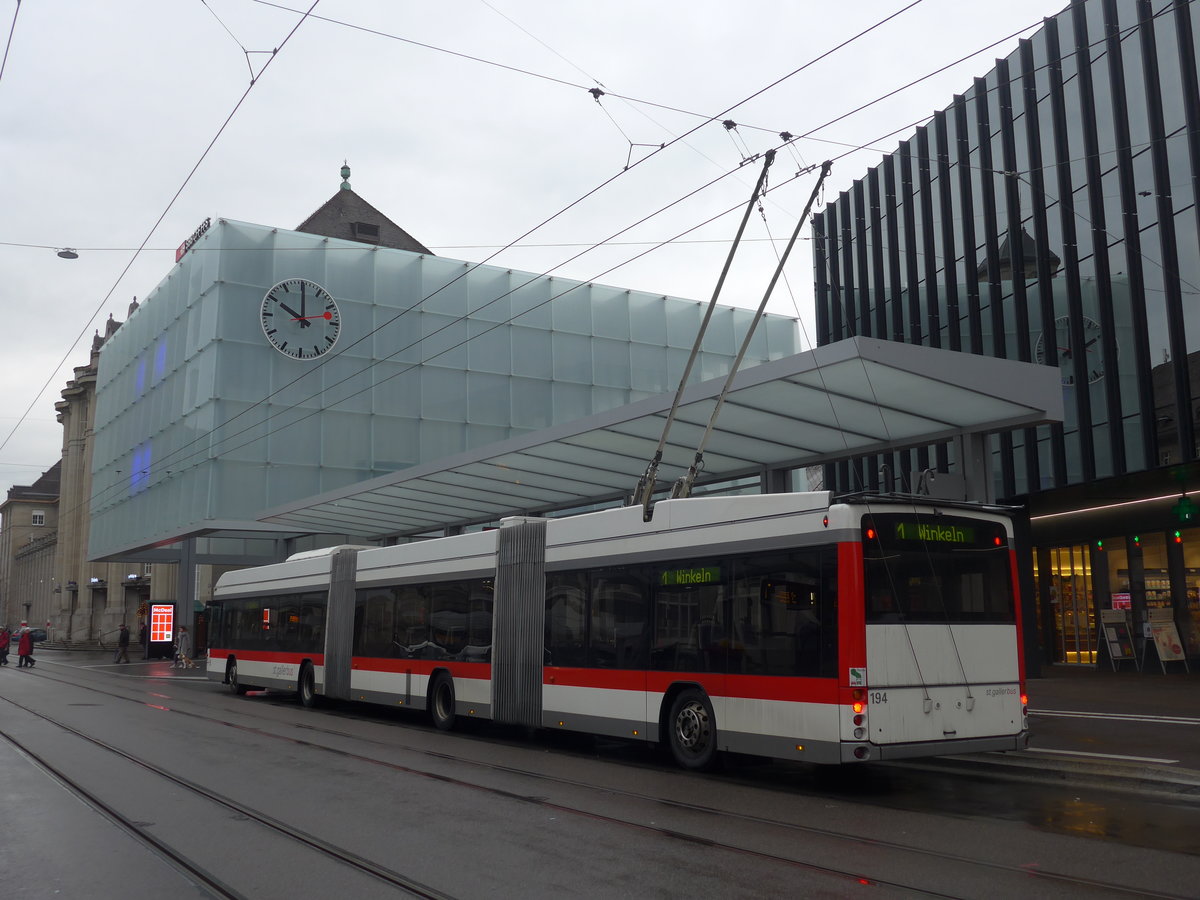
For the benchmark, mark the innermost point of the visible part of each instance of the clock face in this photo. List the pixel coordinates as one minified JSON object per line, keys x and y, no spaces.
{"x":301,"y":319}
{"x":1057,"y":350}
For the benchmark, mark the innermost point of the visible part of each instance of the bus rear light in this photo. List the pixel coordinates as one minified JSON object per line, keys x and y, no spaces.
{"x":870,"y":534}
{"x":860,"y":733}
{"x":857,"y":707}
{"x":858,"y":694}
{"x":859,"y":719}
{"x":1024,"y":699}
{"x":825,"y":521}
{"x":862,"y":752}
{"x":799,"y":748}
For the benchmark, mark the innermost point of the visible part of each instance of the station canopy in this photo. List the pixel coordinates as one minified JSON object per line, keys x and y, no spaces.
{"x":855,"y":397}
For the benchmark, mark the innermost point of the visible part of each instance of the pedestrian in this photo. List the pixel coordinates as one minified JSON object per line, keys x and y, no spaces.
{"x":5,"y":640}
{"x":122,"y":644}
{"x":183,"y":649}
{"x":25,"y":647}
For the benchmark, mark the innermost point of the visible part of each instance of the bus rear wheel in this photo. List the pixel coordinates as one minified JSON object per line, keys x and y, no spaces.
{"x":692,"y":730}
{"x":231,"y":678}
{"x":441,"y":702}
{"x":307,"y":686}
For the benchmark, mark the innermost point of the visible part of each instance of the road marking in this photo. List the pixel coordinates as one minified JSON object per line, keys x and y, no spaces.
{"x":1146,"y":759}
{"x":1119,"y":717}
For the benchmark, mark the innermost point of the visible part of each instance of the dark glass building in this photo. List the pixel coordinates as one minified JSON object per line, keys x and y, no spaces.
{"x":1049,"y":214}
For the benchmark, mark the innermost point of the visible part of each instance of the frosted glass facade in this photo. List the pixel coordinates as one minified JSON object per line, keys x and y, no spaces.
{"x":201,"y":423}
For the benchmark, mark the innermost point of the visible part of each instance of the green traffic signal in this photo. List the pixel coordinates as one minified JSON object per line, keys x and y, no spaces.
{"x":1185,"y":509}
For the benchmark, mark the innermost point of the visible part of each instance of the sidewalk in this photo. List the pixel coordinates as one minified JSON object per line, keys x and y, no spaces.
{"x":1124,"y":692}
{"x":103,"y":659}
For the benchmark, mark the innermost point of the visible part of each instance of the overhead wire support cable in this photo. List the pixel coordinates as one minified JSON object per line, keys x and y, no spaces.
{"x":8,"y":44}
{"x":643,"y":494}
{"x":158,"y":221}
{"x":683,"y":486}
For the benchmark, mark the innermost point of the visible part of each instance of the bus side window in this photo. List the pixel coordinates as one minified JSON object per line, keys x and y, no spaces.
{"x":617,"y":622}
{"x":566,"y":626}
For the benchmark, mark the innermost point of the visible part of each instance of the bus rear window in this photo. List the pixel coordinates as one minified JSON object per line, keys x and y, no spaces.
{"x":943,"y":569}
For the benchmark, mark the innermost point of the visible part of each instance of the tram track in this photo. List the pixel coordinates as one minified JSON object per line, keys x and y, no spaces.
{"x":174,"y":857}
{"x":641,"y":797}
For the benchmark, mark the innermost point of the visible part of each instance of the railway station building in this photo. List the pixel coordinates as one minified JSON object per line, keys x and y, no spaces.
{"x":1049,"y":214}
{"x":274,"y":365}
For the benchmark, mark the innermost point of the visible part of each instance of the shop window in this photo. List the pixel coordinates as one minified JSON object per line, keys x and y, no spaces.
{"x":1120,"y":591}
{"x":1154,"y":567}
{"x":1189,"y":616}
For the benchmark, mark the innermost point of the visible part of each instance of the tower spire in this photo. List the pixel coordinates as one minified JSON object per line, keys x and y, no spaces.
{"x":345,"y":176}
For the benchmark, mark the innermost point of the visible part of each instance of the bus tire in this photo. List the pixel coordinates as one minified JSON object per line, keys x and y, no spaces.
{"x":231,"y":678}
{"x":692,"y":730}
{"x":306,"y":686}
{"x":441,"y":702}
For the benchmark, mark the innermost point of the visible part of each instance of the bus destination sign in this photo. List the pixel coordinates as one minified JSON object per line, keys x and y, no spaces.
{"x":934,"y":534}
{"x":683,"y":577}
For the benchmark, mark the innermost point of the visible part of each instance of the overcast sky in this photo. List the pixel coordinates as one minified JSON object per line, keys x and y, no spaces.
{"x":467,"y":122}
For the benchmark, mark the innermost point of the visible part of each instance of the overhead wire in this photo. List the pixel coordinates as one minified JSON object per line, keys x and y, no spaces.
{"x":12,"y":29}
{"x":571,"y":205}
{"x":710,"y":118}
{"x":492,"y":327}
{"x":154,"y":227}
{"x":174,"y":458}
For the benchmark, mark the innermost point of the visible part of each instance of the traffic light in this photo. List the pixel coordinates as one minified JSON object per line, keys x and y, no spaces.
{"x":1185,"y":509}
{"x":1179,"y":537}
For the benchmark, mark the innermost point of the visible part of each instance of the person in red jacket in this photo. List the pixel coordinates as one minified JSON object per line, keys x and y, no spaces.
{"x":5,"y":640}
{"x":25,"y":648}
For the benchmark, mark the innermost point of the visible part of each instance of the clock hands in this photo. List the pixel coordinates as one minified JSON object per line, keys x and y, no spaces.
{"x":295,"y":315}
{"x":301,"y":319}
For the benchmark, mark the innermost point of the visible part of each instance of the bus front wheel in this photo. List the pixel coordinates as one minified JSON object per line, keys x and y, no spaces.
{"x":441,"y":702}
{"x":692,"y":730}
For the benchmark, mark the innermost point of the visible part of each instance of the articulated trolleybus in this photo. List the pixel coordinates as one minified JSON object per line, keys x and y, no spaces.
{"x":797,"y":626}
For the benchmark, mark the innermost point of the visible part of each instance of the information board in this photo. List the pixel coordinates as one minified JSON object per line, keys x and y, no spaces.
{"x":1166,"y":637}
{"x":1118,"y":635}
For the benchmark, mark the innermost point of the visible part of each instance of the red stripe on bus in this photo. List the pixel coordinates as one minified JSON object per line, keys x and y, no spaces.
{"x":423,"y":667}
{"x":851,"y":606}
{"x":754,"y":687}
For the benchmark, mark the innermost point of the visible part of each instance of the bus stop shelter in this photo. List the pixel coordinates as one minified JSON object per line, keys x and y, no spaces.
{"x":845,"y":400}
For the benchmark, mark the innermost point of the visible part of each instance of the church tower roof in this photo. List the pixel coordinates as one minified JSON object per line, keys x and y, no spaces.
{"x":349,"y":217}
